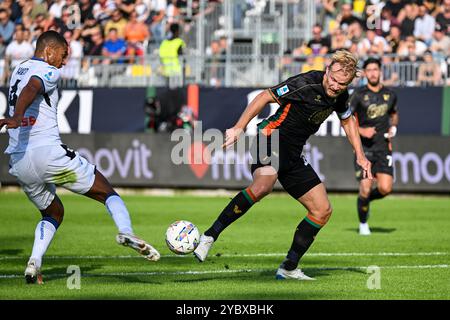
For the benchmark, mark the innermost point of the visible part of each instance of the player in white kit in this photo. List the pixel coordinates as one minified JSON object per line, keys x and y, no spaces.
{"x":40,"y":161}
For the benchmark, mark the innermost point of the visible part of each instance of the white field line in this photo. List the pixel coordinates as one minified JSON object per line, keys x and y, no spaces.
{"x":250,"y":255}
{"x":201,"y":272}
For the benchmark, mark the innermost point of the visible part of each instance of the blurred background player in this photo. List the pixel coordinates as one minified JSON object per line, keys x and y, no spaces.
{"x":306,"y":100}
{"x":40,"y":161}
{"x":375,"y":108}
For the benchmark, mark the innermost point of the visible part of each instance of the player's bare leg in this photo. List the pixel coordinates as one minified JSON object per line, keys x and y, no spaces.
{"x":264,"y":179}
{"x":319,"y":212}
{"x":103,"y":192}
{"x":52,"y":218}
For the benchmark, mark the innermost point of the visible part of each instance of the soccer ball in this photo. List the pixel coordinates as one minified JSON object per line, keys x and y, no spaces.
{"x":182,"y":237}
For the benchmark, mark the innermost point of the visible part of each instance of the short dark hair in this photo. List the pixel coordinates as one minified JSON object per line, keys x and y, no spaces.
{"x":174,"y":28}
{"x":370,"y":61}
{"x":50,"y":38}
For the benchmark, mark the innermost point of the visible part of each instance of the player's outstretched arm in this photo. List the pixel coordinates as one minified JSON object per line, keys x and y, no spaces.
{"x":26,"y":97}
{"x":252,"y":110}
{"x":351,"y":130}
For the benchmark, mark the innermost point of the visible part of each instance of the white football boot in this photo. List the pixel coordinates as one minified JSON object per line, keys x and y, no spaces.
{"x":33,"y":273}
{"x":364,"y":229}
{"x":297,"y":274}
{"x":205,"y":244}
{"x":139,"y":245}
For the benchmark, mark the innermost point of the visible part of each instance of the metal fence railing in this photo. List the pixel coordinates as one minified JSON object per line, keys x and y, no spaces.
{"x":228,"y":71}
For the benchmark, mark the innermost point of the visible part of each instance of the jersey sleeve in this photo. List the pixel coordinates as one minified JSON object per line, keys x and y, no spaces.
{"x":49,"y":77}
{"x":287,"y":91}
{"x":353,"y":102}
{"x":342,"y":108}
{"x":393,"y":107}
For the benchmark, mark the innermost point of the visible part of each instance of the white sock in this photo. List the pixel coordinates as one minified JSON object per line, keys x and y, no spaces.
{"x":43,"y":236}
{"x":119,"y":213}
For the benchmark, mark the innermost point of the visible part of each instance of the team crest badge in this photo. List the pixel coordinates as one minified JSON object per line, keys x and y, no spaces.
{"x":386,"y":97}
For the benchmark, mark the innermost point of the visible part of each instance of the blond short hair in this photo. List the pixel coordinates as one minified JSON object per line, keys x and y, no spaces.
{"x":347,"y":61}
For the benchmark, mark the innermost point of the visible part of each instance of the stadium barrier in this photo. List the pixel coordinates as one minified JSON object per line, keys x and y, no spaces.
{"x":422,"y":110}
{"x":421,"y":163}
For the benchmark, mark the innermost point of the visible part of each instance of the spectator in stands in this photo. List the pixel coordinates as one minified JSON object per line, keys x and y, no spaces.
{"x":395,"y":6}
{"x":71,"y":16}
{"x":86,"y":8}
{"x":6,"y":30}
{"x":443,"y":18}
{"x":95,"y":46}
{"x":429,"y":72}
{"x":330,"y":14}
{"x":173,"y":12}
{"x":117,"y":22}
{"x":14,"y":10}
{"x":142,"y":10}
{"x":372,"y":44}
{"x":339,"y":40}
{"x":18,"y":50}
{"x":440,"y":45}
{"x":126,"y":7}
{"x":408,"y":18}
{"x":223,"y":43}
{"x":312,"y":63}
{"x":424,"y":25}
{"x":216,"y":61}
{"x":136,"y":34}
{"x":114,"y":47}
{"x":55,"y":11}
{"x":411,"y":48}
{"x":432,"y":7}
{"x":394,"y":39}
{"x":103,"y":10}
{"x":319,"y":45}
{"x":387,"y":21}
{"x":157,"y":18}
{"x":347,"y":18}
{"x":355,"y":32}
{"x":71,"y":71}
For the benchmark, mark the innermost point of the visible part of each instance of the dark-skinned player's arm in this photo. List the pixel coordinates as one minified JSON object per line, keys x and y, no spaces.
{"x":351,"y":130}
{"x":33,"y":88}
{"x":252,"y":110}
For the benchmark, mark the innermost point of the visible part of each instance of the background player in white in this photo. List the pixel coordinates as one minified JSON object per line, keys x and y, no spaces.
{"x":40,"y":161}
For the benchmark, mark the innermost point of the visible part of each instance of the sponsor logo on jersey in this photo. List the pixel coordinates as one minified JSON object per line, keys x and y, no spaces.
{"x":320,"y":116}
{"x":48,"y":75}
{"x":283,"y":90}
{"x":377,"y":110}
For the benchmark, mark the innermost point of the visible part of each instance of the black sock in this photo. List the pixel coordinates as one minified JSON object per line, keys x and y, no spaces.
{"x":239,"y":205}
{"x":376,"y":194}
{"x":363,"y":209}
{"x":303,"y":238}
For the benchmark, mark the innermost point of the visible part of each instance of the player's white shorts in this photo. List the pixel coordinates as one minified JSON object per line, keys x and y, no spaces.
{"x":38,"y":170}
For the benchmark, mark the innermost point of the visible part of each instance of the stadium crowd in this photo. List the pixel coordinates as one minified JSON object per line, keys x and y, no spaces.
{"x":118,"y":30}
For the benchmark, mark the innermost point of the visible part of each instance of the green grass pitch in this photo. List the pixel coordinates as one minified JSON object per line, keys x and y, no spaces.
{"x":410,"y":244}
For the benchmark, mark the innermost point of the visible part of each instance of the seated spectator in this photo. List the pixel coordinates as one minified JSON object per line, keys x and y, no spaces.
{"x":6,"y":28}
{"x":136,"y":31}
{"x":173,"y":12}
{"x":429,"y":72}
{"x":395,"y":6}
{"x":157,"y":20}
{"x":126,"y":7}
{"x":117,"y":22}
{"x":355,"y":31}
{"x":216,"y":60}
{"x":372,"y":44}
{"x":346,"y":18}
{"x":443,"y":18}
{"x":339,"y":40}
{"x":411,"y":47}
{"x":86,"y":7}
{"x":407,"y":19}
{"x":432,"y":7}
{"x":18,"y":50}
{"x":95,"y":46}
{"x":387,"y":21}
{"x":319,"y":45}
{"x":440,"y":45}
{"x":393,"y":39}
{"x":114,"y":47}
{"x":142,"y":10}
{"x":103,"y":10}
{"x":424,"y":25}
{"x":71,"y":71}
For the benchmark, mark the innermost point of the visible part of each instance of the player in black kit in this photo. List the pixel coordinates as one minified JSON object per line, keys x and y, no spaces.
{"x":305,"y":100}
{"x":375,"y":108}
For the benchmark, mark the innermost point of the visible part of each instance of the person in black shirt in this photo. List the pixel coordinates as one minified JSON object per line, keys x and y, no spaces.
{"x":305,"y":100}
{"x":375,"y":108}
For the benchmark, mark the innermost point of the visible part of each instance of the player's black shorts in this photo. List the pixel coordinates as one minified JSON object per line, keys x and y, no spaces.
{"x":296,"y":176}
{"x":381,"y":163}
